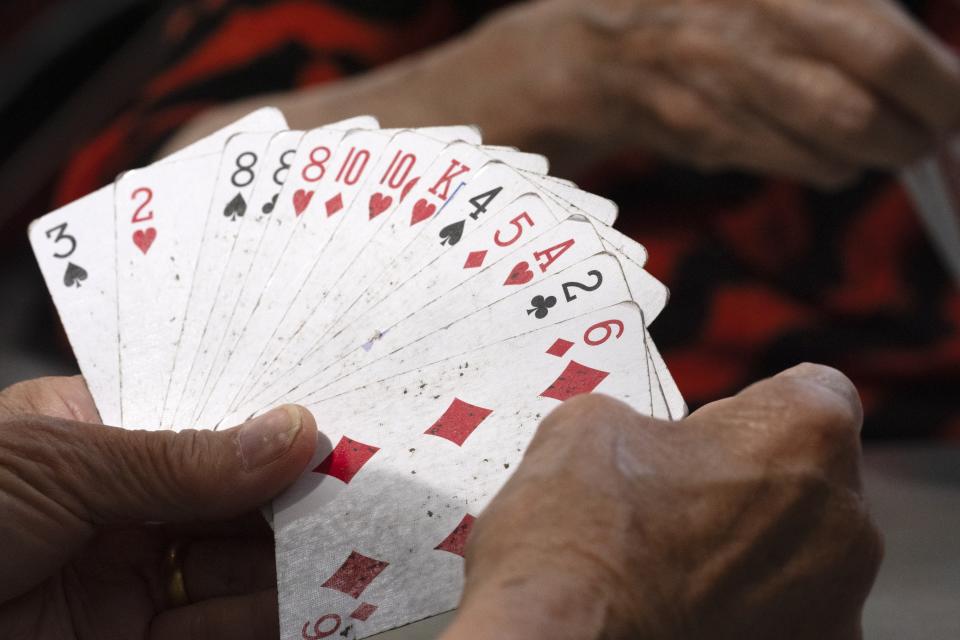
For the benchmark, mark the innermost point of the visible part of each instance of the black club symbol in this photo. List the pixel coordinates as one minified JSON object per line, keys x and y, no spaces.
{"x":541,"y":306}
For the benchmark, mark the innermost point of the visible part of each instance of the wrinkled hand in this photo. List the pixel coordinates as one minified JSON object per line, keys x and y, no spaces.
{"x":811,"y":90}
{"x":76,"y":557}
{"x":745,"y":520}
{"x":817,"y":91}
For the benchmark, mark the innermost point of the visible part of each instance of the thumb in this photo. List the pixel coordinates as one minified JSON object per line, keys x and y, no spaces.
{"x":119,"y":475}
{"x":807,"y":417}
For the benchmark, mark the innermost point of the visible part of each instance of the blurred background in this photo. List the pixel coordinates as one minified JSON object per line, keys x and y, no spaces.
{"x":764,"y":271}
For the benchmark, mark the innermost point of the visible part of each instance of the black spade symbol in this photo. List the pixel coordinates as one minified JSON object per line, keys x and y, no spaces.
{"x":268,"y":207}
{"x":74,"y":275}
{"x":451,"y":233}
{"x":235,"y":208}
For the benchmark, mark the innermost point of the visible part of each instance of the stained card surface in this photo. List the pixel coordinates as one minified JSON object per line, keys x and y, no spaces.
{"x":430,"y":297}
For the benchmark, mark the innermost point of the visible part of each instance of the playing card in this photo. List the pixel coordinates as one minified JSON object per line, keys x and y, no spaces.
{"x":75,"y":248}
{"x":566,"y":191}
{"x":416,"y":458}
{"x":394,"y":168}
{"x":241,"y":161}
{"x":160,"y":214}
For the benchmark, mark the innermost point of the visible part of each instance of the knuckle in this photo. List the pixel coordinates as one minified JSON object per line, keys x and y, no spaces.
{"x":187,"y":449}
{"x":185,"y":452}
{"x":593,"y":409}
{"x":829,"y":378}
{"x":895,"y":51}
{"x":562,"y":431}
{"x":825,"y":421}
{"x":153,"y":464}
{"x":687,"y":122}
{"x":852,"y":117}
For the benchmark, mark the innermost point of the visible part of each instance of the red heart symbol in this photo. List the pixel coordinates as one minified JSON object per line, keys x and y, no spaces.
{"x":521,"y":274}
{"x":421,"y":211}
{"x":301,"y":200}
{"x":378,"y":204}
{"x":143,"y":238}
{"x":407,"y":187}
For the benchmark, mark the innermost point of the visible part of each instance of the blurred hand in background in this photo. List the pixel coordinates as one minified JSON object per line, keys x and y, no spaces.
{"x":816,"y":91}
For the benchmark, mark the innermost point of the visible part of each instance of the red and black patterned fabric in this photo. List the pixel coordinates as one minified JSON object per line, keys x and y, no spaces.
{"x":763,"y":273}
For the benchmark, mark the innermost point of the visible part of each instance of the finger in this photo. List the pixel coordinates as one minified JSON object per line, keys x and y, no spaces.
{"x":249,"y":617}
{"x":735,"y":135}
{"x":829,"y":110}
{"x":695,"y":116}
{"x":248,"y":525}
{"x":110,"y":475}
{"x":215,"y":568}
{"x":807,"y":416}
{"x":880,"y":45}
{"x":766,"y":148}
{"x":59,"y":397}
{"x":761,"y":146}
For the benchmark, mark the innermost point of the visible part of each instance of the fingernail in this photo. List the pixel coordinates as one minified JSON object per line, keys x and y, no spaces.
{"x":267,"y":437}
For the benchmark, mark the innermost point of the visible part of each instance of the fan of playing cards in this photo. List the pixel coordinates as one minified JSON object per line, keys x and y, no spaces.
{"x":429,"y":298}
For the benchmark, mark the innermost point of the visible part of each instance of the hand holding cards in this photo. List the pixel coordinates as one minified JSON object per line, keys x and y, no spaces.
{"x":428,"y":298}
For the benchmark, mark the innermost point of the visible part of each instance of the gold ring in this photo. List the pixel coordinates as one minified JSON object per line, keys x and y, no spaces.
{"x":173,"y":571}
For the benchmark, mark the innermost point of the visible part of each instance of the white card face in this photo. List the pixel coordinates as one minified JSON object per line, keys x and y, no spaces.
{"x":82,"y":234}
{"x":234,"y":207}
{"x":674,"y":403}
{"x":512,"y":250}
{"x":469,"y":318}
{"x":358,"y":250}
{"x":347,"y":264}
{"x":395,"y":166}
{"x":399,"y":231}
{"x":300,"y":228}
{"x":419,"y":456}
{"x":453,"y":169}
{"x":74,"y":247}
{"x":294,"y":163}
{"x":265,"y":119}
{"x":489,"y":190}
{"x":531,"y":163}
{"x":597,"y":206}
{"x":160,"y":214}
{"x":276,"y":377}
